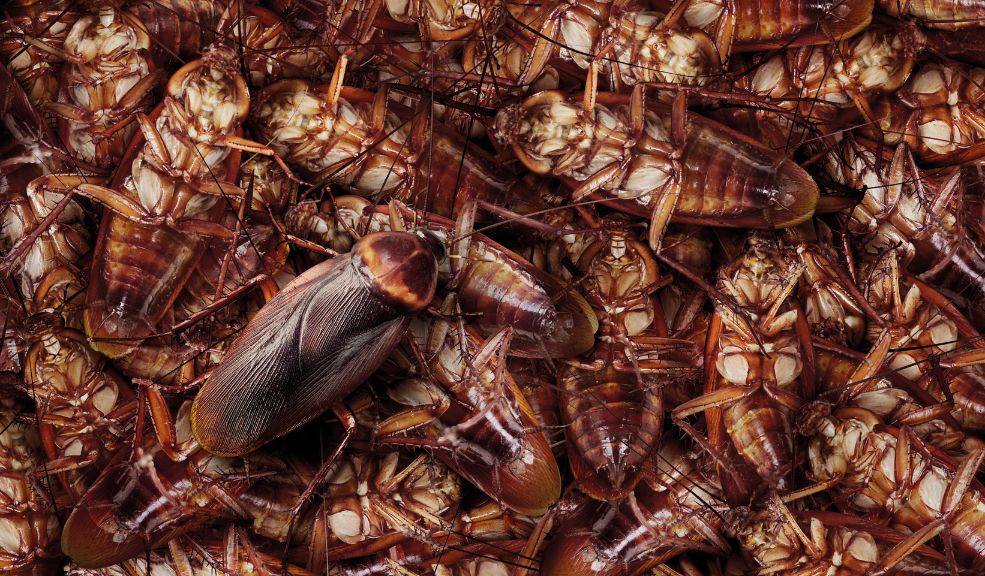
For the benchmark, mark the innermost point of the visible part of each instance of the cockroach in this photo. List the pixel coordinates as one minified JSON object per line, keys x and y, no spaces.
{"x":369,"y":502}
{"x":181,"y":29}
{"x":537,"y":383}
{"x":270,"y":50}
{"x":318,"y":339}
{"x":672,"y":510}
{"x":914,"y":213}
{"x":217,"y":286}
{"x":340,"y":135}
{"x":31,"y":40}
{"x":833,"y":308}
{"x":776,"y":539}
{"x":227,"y":268}
{"x":164,"y":203}
{"x":29,"y":522}
{"x":457,"y":88}
{"x":759,"y":366}
{"x":108,"y":78}
{"x":940,"y":14}
{"x":627,"y":43}
{"x":827,"y":85}
{"x":492,"y":283}
{"x":48,"y":273}
{"x":921,"y":325}
{"x":881,"y":470}
{"x":465,"y":406}
{"x":449,"y":20}
{"x":229,"y":551}
{"x":937,"y":113}
{"x":28,"y":211}
{"x":848,"y":376}
{"x":142,"y":501}
{"x":84,"y":408}
{"x":656,"y":164}
{"x":746,"y":25}
{"x":612,"y":406}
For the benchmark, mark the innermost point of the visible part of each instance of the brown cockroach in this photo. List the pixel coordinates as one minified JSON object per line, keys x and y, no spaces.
{"x":164,"y":203}
{"x":141,"y":502}
{"x":941,"y":14}
{"x":854,"y":380}
{"x":937,"y":113}
{"x":747,"y":25}
{"x":108,"y":77}
{"x":210,"y":553}
{"x":30,"y":44}
{"x":339,"y":135}
{"x":775,"y":539}
{"x":84,"y":408}
{"x":672,"y":510}
{"x":216,"y":288}
{"x":833,"y":308}
{"x":828,"y":84}
{"x":612,"y":405}
{"x":656,"y":164}
{"x":49,"y":264}
{"x":28,"y":523}
{"x":447,"y":20}
{"x":369,"y":502}
{"x":465,"y":406}
{"x":457,"y":87}
{"x":492,"y":283}
{"x":215,"y":294}
{"x":270,"y":50}
{"x":28,"y":212}
{"x":537,"y":383}
{"x":318,"y":339}
{"x":629,"y":44}
{"x":922,"y":325}
{"x":909,"y":219}
{"x":881,"y":470}
{"x":227,"y":268}
{"x":763,"y":371}
{"x":915,"y":214}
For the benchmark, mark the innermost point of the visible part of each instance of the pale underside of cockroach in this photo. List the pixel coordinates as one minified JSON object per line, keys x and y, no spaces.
{"x":482,"y":287}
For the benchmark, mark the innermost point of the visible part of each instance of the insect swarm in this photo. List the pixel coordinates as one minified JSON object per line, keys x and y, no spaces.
{"x":625,"y":287}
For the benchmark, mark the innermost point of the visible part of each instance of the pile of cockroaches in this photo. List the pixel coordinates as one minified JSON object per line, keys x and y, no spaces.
{"x":412,"y":287}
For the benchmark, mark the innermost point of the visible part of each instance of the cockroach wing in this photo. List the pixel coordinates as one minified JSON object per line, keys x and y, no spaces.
{"x":304,"y":351}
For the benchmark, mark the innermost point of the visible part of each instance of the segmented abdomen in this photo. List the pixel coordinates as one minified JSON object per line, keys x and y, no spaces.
{"x":614,"y":423}
{"x":729,"y":181}
{"x":137,"y":272}
{"x":760,"y":432}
